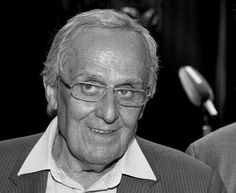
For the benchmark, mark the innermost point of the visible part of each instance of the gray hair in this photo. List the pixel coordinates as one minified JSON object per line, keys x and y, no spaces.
{"x":106,"y":18}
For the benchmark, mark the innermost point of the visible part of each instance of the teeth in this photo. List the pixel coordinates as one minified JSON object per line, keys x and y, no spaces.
{"x":100,"y":131}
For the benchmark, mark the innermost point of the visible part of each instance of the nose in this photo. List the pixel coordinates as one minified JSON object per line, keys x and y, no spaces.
{"x":107,"y":108}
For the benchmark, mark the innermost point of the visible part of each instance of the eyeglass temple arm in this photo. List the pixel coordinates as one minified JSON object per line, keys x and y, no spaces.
{"x":63,"y":82}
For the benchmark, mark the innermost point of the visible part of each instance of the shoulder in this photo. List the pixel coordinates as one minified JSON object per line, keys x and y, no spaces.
{"x":26,"y":140}
{"x":13,"y":152}
{"x":227,"y":133}
{"x":176,"y":167}
{"x":221,"y":139}
{"x":163,"y":154}
{"x":217,"y":150}
{"x":11,"y":148}
{"x":165,"y":159}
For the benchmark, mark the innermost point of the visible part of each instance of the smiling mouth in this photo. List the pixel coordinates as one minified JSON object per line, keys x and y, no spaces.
{"x":98,"y":131}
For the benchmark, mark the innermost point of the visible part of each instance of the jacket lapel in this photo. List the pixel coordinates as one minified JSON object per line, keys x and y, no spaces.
{"x":135,"y":185}
{"x":130,"y":184}
{"x":27,"y":183}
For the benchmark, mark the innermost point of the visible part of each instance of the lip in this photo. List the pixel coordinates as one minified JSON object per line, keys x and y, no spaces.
{"x":102,"y":131}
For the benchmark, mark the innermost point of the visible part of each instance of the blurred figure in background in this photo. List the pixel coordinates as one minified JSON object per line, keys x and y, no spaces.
{"x":218,"y":150}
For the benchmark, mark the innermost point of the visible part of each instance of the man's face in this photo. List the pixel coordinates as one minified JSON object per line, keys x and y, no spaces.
{"x":97,"y":133}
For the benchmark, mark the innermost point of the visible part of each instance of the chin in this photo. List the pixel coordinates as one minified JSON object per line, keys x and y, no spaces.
{"x":102,"y":165}
{"x":103,"y":162}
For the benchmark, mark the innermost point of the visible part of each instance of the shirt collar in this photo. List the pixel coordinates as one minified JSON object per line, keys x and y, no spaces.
{"x":133,"y":163}
{"x":39,"y":157}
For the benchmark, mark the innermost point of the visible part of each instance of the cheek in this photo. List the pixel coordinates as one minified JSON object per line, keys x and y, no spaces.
{"x":71,"y":112}
{"x":130,"y":116}
{"x":70,"y":107}
{"x":79,"y":109}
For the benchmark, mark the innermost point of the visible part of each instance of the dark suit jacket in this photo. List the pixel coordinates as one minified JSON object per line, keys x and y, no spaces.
{"x":175,"y":171}
{"x":218,"y":150}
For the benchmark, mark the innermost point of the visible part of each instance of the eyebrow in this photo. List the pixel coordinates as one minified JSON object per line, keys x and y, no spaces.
{"x":87,"y":76}
{"x":96,"y":77}
{"x":131,"y":83}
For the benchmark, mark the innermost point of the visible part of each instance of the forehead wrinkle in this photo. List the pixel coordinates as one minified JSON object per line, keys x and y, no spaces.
{"x":106,"y":65}
{"x":86,"y":76}
{"x":89,"y":76}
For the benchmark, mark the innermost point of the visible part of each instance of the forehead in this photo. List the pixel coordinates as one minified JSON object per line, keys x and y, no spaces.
{"x":108,"y":54}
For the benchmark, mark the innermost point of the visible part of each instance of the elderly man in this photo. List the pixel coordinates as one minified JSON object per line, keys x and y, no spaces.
{"x":98,"y":77}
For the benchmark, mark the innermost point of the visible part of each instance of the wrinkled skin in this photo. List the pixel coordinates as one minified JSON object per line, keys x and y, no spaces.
{"x":107,"y":57}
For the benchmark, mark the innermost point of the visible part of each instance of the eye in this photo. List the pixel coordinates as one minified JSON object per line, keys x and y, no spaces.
{"x":90,"y":89}
{"x":125,"y":93}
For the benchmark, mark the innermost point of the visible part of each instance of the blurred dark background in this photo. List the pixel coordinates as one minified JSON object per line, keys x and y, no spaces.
{"x":198,"y":33}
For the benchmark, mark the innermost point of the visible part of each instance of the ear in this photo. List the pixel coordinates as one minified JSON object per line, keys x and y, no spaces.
{"x":51,"y":97}
{"x":141,"y":112}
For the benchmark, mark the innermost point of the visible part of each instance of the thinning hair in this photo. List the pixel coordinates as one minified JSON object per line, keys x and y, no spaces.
{"x":105,"y":18}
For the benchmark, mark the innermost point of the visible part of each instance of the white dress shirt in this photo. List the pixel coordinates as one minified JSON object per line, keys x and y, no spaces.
{"x":133,"y":163}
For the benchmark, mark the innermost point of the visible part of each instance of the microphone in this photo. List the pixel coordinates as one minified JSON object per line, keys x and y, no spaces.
{"x":197,"y":89}
{"x":199,"y":93}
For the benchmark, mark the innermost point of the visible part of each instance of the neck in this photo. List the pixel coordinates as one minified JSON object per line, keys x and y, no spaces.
{"x":84,"y":173}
